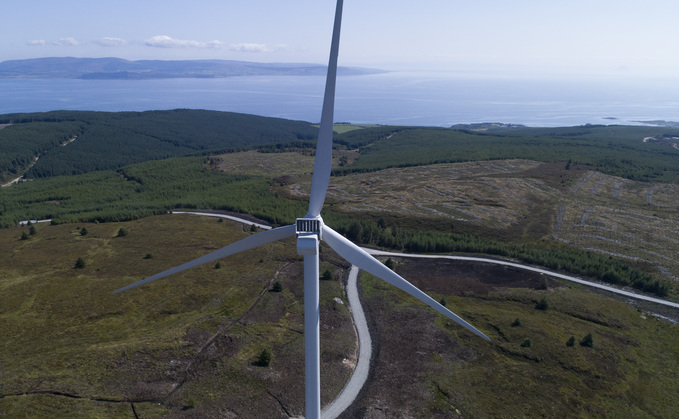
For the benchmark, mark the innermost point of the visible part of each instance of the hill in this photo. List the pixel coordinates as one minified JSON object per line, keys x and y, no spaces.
{"x":188,"y":346}
{"x":117,"y":68}
{"x":71,"y":142}
{"x":77,"y":142}
{"x":564,"y":215}
{"x":624,"y":151}
{"x":587,"y":200}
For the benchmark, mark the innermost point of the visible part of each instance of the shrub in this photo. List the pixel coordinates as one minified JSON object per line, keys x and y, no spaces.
{"x":542,"y":304}
{"x":277,"y":287}
{"x":218,"y":265}
{"x":327,"y":275}
{"x":148,"y":256}
{"x":32,"y":231}
{"x":80,"y":263}
{"x":526,"y":343}
{"x":83,"y":231}
{"x":443,"y":301}
{"x":122,"y":232}
{"x":390,"y":264}
{"x":264,"y":358}
{"x":516,"y":322}
{"x":587,"y":341}
{"x":25,"y":236}
{"x":571,"y":341}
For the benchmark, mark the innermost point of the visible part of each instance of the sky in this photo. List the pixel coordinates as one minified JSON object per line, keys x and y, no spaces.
{"x":620,"y":38}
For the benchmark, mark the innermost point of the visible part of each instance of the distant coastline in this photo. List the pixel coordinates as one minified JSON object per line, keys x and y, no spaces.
{"x":120,"y":69}
{"x":390,"y":98}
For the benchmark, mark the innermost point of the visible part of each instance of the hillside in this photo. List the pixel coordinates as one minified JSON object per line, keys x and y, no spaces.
{"x":77,"y":142}
{"x":70,"y":142}
{"x":117,"y":68}
{"x":597,"y":202}
{"x":633,"y":152}
{"x":187,"y":346}
{"x":563,"y":215}
{"x":71,"y":348}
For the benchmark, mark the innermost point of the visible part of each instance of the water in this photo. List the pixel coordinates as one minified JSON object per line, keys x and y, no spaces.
{"x":399,"y":98}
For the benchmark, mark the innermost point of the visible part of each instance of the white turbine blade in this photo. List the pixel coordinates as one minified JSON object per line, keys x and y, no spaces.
{"x":359,"y":257}
{"x":323,"y":162}
{"x":247,"y":243}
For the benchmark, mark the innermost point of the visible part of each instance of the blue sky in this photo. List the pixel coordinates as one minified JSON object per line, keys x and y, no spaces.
{"x":548,"y":37}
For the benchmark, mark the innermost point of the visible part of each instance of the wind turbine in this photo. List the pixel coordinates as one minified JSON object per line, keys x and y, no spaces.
{"x":310,"y":230}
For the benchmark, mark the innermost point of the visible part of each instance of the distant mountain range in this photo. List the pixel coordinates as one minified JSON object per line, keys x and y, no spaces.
{"x":117,"y":68}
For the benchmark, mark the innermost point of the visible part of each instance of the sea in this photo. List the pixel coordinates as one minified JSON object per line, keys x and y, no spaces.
{"x":439,"y":99}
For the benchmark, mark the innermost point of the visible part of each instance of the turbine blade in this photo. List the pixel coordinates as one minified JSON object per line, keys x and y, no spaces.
{"x":359,"y":257}
{"x":247,"y":243}
{"x":323,"y":162}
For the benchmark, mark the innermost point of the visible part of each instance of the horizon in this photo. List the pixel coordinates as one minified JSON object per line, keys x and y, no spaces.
{"x":605,"y":39}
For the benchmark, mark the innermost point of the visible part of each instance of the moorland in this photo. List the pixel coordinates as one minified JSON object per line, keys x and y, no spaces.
{"x":599,"y":202}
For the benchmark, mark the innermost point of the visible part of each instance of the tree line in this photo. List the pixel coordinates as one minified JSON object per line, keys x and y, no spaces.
{"x":559,"y":258}
{"x":156,"y":187}
{"x":617,"y":151}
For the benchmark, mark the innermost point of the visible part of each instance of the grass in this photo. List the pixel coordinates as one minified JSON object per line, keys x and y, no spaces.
{"x":271,"y":165}
{"x":631,"y":370}
{"x":67,"y":346}
{"x":526,"y":202}
{"x":70,"y":347}
{"x":342,"y":128}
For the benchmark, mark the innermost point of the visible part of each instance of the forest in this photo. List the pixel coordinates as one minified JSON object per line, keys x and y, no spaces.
{"x":614,"y":150}
{"x":129,"y":165}
{"x":108,"y":141}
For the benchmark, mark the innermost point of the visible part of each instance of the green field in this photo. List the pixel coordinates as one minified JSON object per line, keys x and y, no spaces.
{"x":72,"y":348}
{"x":594,"y":201}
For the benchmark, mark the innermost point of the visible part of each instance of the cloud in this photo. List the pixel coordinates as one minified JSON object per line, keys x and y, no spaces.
{"x":65,"y":42}
{"x":251,"y":48}
{"x":164,"y":41}
{"x":110,"y":42}
{"x":36,"y":43}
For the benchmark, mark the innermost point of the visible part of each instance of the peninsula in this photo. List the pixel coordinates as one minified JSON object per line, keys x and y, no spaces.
{"x":117,"y":68}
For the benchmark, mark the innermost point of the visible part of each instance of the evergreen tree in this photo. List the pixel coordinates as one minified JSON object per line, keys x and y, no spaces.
{"x":587,"y":341}
{"x":264,"y":358}
{"x":542,"y":304}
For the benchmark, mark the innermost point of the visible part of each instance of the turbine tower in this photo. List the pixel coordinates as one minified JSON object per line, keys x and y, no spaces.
{"x":310,"y":230}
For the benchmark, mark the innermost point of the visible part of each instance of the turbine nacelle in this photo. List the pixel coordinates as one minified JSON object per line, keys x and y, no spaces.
{"x":309,"y":232}
{"x":309,"y":225}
